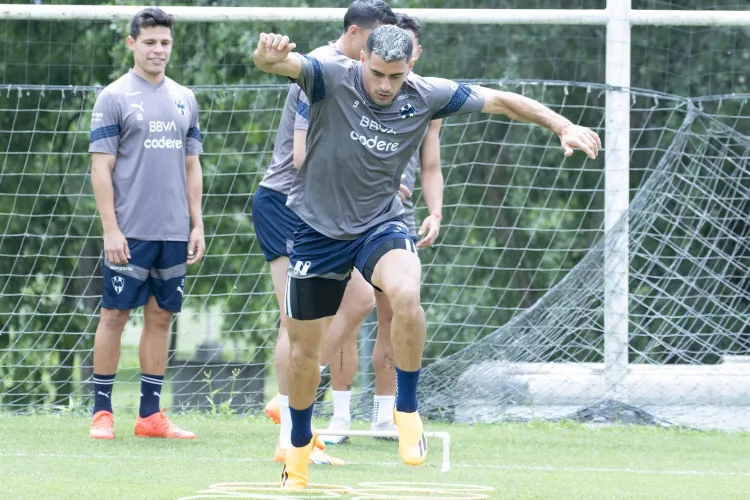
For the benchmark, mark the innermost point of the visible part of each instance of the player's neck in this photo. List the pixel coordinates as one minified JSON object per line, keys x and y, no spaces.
{"x":152,"y":79}
{"x":342,"y":45}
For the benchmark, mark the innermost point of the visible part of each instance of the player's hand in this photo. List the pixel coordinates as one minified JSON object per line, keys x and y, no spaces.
{"x":272,"y":48}
{"x":403,"y":191}
{"x":116,"y":249}
{"x":196,"y":245}
{"x":574,"y":136}
{"x":430,"y":229}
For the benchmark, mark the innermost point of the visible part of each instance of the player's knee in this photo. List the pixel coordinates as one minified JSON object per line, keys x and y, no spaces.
{"x":303,"y":355}
{"x":362,"y":302}
{"x":404,"y":298}
{"x":114,"y":320}
{"x":156,"y":319}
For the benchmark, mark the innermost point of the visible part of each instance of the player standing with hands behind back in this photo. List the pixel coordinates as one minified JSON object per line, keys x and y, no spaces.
{"x":148,"y":186}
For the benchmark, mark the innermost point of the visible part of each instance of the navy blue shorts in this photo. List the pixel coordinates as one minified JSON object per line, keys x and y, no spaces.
{"x":274,"y":223}
{"x":316,"y":255}
{"x":156,"y":268}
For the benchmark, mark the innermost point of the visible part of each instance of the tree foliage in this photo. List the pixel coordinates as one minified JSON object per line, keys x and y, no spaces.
{"x":50,"y":240}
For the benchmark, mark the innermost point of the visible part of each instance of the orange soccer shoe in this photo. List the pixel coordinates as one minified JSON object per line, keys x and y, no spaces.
{"x":412,"y":445}
{"x":159,"y":426}
{"x":272,"y":410}
{"x":317,"y":455}
{"x":102,"y":425}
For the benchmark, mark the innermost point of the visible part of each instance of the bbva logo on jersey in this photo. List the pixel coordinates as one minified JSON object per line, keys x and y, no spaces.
{"x":159,"y":126}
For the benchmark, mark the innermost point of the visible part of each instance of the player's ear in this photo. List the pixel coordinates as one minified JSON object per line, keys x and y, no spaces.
{"x":419,"y":51}
{"x":130,"y":42}
{"x":353,"y":30}
{"x":362,"y":56}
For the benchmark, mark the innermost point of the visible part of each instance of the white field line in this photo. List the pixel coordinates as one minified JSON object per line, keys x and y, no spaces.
{"x":509,"y":467}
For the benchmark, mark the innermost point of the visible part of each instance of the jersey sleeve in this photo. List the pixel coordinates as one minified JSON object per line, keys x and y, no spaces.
{"x":303,"y":108}
{"x":105,"y":125}
{"x":193,"y":141}
{"x":320,"y":76}
{"x":446,"y":97}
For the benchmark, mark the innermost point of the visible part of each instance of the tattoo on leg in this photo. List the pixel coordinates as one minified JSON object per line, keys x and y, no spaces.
{"x":389,"y":362}
{"x":349,"y":387}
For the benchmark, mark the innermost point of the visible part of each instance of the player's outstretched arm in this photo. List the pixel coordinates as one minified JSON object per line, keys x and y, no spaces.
{"x":522,"y":108}
{"x":432,"y":184}
{"x":274,"y":55}
{"x":116,"y":248}
{"x":194,"y":179}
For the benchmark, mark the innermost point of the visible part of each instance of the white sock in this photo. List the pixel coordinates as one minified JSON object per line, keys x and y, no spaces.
{"x":382,"y":411}
{"x":322,"y":367}
{"x":285,"y":430}
{"x":341,"y":402}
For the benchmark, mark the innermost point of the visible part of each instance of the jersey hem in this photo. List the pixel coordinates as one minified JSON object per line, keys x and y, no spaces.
{"x":347,"y":237}
{"x":142,"y":237}
{"x":262,"y":183}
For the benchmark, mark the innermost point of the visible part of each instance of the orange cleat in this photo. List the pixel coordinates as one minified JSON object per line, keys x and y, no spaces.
{"x":412,"y":445}
{"x":159,"y":426}
{"x":272,"y":410}
{"x":317,"y":455}
{"x":102,"y":425}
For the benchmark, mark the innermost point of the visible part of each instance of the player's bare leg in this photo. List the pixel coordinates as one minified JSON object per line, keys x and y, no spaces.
{"x":152,"y":353}
{"x":306,"y":343}
{"x":107,"y":342}
{"x":340,"y":350}
{"x":343,"y":370}
{"x":398,"y":274}
{"x":385,"y":368}
{"x":278,"y":407}
{"x":280,"y":404}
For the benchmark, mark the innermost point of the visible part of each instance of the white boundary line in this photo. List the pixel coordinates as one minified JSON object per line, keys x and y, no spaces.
{"x":545,"y":468}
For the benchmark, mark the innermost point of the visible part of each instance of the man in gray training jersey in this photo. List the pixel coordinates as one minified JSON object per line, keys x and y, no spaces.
{"x":275,"y":223}
{"x":367,"y":120}
{"x":148,"y":185}
{"x":345,"y":349}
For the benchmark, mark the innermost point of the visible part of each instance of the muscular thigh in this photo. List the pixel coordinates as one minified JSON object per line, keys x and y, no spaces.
{"x":279,"y":268}
{"x":389,"y":237}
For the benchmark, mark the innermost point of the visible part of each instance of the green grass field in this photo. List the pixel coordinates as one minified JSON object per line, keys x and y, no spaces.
{"x":51,"y":457}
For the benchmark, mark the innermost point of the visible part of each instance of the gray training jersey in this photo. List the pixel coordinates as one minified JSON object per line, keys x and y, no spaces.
{"x":280,"y":175}
{"x":150,"y":129}
{"x":356,"y":150}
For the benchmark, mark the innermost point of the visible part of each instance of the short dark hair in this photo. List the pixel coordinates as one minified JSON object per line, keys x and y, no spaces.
{"x":368,"y":14}
{"x":148,"y":18}
{"x":409,"y":23}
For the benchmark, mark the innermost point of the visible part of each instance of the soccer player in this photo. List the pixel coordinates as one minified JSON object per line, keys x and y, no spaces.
{"x":148,"y":185}
{"x":428,"y":158}
{"x":367,"y":119}
{"x":275,"y":223}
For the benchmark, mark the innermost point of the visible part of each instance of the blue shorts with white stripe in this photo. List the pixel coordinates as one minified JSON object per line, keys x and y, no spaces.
{"x":156,"y":268}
